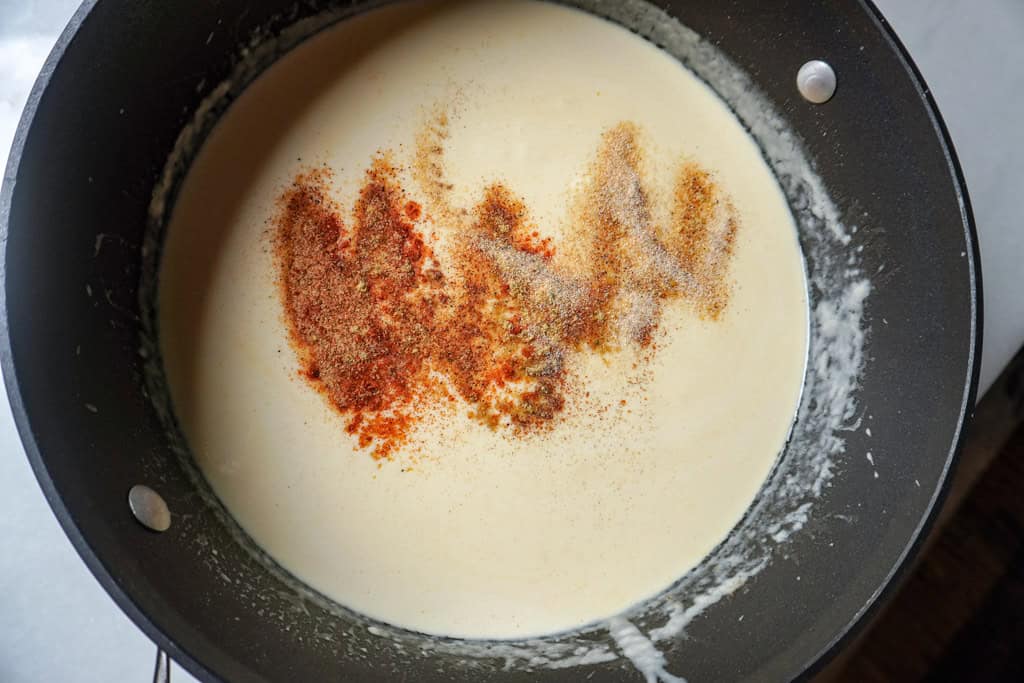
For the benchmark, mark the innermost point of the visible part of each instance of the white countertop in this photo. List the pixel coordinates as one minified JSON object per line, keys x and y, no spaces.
{"x":57,"y":624}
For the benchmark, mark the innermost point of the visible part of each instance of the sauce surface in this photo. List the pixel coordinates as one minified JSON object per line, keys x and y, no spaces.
{"x":483,"y":319}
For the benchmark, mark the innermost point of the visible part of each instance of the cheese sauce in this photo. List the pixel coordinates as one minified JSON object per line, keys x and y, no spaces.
{"x":468,"y":529}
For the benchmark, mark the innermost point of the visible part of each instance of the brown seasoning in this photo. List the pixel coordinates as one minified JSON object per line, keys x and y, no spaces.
{"x":386,"y":335}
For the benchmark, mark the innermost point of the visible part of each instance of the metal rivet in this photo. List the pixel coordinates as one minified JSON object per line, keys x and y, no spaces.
{"x":816,"y":81}
{"x":149,"y":508}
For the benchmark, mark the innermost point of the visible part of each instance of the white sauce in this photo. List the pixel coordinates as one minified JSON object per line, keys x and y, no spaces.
{"x":489,"y":537}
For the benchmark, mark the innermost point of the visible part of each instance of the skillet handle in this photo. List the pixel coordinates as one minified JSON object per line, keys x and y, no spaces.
{"x":162,"y":671}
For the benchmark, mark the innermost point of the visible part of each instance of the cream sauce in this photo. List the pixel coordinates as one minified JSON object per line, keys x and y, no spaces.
{"x":485,"y":535}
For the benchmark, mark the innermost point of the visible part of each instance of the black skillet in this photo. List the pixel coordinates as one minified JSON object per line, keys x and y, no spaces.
{"x":96,"y":134}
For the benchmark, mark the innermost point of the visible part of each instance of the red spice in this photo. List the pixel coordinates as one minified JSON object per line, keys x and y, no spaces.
{"x":385,"y":334}
{"x":413,"y":210}
{"x":359,"y":303}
